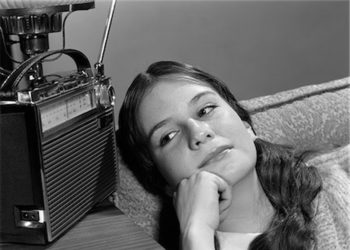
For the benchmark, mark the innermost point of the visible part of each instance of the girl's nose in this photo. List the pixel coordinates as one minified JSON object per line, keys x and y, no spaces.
{"x":199,"y":133}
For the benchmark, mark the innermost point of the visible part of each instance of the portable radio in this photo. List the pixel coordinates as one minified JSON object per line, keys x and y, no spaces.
{"x":58,"y":155}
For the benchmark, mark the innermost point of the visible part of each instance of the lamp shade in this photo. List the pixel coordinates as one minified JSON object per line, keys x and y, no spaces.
{"x":16,"y":4}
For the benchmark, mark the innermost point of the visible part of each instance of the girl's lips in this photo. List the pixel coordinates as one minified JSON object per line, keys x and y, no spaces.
{"x":216,"y":155}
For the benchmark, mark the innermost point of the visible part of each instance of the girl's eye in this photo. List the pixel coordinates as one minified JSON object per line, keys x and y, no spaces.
{"x":206,"y":110}
{"x":167,"y":138}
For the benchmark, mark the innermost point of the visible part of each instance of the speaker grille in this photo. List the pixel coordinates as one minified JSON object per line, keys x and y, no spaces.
{"x":80,"y":169}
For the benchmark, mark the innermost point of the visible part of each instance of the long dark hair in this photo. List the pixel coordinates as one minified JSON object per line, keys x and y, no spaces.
{"x":289,"y":185}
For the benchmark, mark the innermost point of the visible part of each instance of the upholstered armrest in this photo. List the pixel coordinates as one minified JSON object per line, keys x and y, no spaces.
{"x":310,"y":117}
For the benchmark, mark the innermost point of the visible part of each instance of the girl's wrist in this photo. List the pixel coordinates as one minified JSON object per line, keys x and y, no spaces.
{"x":198,"y":237}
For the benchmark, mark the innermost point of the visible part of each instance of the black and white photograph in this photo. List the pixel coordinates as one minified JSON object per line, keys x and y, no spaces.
{"x":175,"y":124}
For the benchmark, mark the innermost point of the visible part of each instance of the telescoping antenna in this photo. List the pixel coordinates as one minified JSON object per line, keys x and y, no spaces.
{"x":104,"y":89}
{"x":99,"y":67}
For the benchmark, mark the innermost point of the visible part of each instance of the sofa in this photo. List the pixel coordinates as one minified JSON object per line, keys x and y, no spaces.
{"x":312,"y":117}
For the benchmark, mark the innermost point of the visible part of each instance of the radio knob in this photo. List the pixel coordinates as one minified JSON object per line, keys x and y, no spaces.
{"x":105,"y":94}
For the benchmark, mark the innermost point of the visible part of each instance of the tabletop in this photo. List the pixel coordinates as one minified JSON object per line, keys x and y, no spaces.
{"x":103,"y":228}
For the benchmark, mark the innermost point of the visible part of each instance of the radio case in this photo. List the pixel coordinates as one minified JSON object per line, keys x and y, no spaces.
{"x":54,"y":167}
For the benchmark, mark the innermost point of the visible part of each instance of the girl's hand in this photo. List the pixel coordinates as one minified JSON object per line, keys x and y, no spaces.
{"x":201,"y":202}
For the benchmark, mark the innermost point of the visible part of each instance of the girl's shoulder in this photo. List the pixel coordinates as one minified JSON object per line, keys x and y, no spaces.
{"x":332,"y":206}
{"x":332,"y":162}
{"x":334,"y":169}
{"x":335,"y":188}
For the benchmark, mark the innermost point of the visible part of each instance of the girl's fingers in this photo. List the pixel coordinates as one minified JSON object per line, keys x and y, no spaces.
{"x":225,"y":193}
{"x":223,"y":189}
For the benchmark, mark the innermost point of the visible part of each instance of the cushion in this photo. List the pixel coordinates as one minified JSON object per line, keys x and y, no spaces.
{"x":311,"y":117}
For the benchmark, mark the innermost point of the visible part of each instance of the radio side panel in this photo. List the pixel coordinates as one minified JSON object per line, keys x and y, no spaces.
{"x":20,"y":185}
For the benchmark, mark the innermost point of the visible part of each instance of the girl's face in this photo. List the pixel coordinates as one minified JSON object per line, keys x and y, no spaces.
{"x":190,"y":128}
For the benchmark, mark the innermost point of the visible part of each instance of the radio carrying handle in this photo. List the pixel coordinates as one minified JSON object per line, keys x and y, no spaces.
{"x":81,"y":61}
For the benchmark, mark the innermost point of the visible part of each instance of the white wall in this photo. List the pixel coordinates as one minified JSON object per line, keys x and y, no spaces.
{"x":257,"y":47}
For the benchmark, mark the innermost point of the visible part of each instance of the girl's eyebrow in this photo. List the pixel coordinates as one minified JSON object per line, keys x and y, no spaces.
{"x":156,"y":127}
{"x":200,"y":95}
{"x":160,"y":124}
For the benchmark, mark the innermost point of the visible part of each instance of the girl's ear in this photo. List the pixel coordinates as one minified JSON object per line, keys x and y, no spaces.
{"x":250,"y":131}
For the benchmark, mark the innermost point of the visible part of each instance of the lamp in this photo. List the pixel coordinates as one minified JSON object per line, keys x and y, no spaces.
{"x":32,"y":20}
